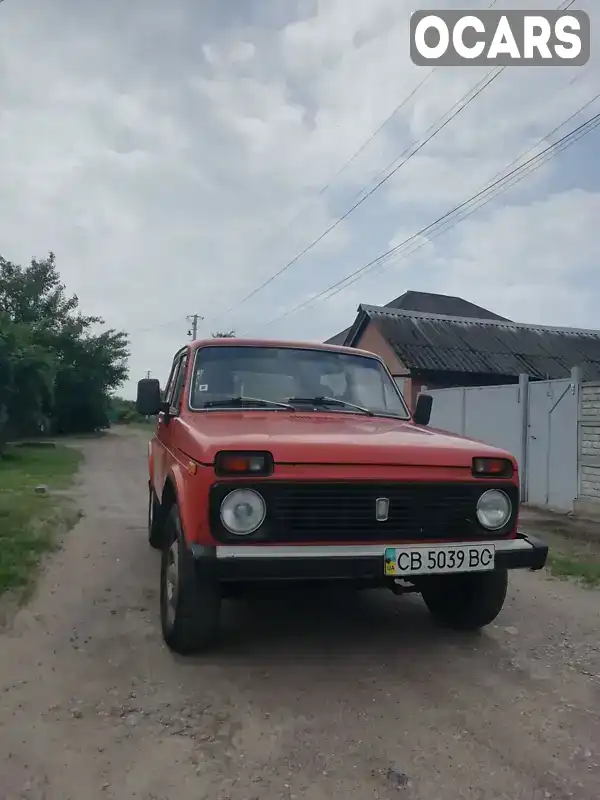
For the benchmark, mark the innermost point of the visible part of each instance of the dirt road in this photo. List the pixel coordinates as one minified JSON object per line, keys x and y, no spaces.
{"x":353,"y":697}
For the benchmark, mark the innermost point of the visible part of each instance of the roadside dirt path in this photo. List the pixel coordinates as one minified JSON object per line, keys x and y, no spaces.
{"x":352,"y":697}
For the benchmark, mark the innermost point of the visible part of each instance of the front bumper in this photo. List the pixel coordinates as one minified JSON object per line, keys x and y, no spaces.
{"x":260,"y":563}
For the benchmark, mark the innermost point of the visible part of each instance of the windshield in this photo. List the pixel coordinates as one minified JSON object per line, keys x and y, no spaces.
{"x":293,"y":375}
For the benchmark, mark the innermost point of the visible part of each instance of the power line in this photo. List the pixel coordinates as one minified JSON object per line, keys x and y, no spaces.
{"x":447,"y":222}
{"x":542,"y":139}
{"x":497,"y":182}
{"x":395,"y":161}
{"x":494,"y":189}
{"x":179,"y":321}
{"x":362,"y":147}
{"x":376,"y":132}
{"x":474,"y":92}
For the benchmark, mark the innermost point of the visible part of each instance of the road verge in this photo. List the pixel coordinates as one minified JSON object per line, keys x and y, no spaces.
{"x":34,"y":509}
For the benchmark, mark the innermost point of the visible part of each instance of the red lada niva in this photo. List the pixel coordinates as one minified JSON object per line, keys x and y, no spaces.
{"x":279,"y":462}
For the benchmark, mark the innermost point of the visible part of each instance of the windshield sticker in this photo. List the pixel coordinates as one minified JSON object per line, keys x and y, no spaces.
{"x":203,"y":387}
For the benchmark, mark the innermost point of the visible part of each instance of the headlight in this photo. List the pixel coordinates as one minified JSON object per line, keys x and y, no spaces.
{"x":243,"y":511}
{"x":493,"y":509}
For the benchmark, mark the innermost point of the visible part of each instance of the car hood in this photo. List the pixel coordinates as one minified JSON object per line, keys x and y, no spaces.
{"x":332,"y":438}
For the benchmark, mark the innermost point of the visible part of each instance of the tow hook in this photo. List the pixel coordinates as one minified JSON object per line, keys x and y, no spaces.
{"x":400,"y":586}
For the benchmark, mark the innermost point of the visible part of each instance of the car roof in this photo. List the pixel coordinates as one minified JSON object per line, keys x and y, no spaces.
{"x":298,"y":345}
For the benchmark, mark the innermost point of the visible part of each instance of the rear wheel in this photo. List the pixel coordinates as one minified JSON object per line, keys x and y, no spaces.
{"x":467,"y":602}
{"x":189,"y":606}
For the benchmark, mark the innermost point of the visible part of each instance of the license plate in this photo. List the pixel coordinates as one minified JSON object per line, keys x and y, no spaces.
{"x":439,"y":560}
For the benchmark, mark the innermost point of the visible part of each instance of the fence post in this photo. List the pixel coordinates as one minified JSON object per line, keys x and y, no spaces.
{"x":576,"y":381}
{"x":524,"y":403}
{"x":576,"y":375}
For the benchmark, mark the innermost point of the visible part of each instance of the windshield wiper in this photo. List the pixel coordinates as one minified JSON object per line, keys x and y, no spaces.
{"x":329,"y":401}
{"x":232,"y":402}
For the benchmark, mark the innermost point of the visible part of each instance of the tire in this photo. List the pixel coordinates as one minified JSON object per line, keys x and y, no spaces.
{"x":190,"y":608}
{"x":156,"y":533}
{"x":467,"y":602}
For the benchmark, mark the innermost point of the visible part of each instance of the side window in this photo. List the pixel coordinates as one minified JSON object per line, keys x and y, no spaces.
{"x":178,"y":384}
{"x":197,"y":380}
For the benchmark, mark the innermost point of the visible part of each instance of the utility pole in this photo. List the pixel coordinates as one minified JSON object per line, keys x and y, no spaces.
{"x":194,"y":319}
{"x":148,"y":374}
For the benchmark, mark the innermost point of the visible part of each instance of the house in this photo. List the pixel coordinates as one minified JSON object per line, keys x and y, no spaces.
{"x":428,"y":302}
{"x":442,"y":342}
{"x":470,"y":360}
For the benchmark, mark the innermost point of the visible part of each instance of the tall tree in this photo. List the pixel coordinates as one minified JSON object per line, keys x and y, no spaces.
{"x":53,"y":360}
{"x":27,"y":374}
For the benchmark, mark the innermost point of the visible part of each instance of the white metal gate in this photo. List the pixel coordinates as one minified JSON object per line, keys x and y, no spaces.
{"x":536,"y":422}
{"x":552,"y":444}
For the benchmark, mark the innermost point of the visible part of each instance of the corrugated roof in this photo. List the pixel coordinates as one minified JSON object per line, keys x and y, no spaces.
{"x":431,"y":303}
{"x":339,"y":338}
{"x":436,"y":342}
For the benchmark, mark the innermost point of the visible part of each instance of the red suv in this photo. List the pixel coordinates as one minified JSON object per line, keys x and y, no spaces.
{"x":284,"y":461}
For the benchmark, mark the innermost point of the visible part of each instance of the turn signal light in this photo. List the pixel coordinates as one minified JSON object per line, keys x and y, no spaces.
{"x":243,"y":463}
{"x":492,"y":468}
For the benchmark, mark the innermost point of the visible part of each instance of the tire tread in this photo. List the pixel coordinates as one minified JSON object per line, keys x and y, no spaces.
{"x":196,"y":622}
{"x":467,"y":602}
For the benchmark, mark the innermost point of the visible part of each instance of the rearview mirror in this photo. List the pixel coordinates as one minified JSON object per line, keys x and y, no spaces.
{"x":149,"y":400}
{"x":422,"y":413}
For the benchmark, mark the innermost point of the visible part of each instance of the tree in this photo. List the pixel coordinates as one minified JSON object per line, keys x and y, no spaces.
{"x":228,"y":335}
{"x":123,"y":411}
{"x":27,"y":373}
{"x":54,"y":364}
{"x":93,"y":367}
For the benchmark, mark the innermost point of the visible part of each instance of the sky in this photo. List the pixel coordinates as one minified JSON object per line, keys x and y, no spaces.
{"x":175,"y":156}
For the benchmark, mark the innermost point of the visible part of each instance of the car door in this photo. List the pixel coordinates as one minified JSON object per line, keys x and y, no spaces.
{"x":164,"y":429}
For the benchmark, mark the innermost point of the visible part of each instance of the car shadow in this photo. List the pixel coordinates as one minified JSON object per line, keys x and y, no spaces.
{"x":288,"y":626}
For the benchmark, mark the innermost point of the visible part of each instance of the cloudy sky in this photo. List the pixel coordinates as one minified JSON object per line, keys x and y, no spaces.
{"x":173,"y":155}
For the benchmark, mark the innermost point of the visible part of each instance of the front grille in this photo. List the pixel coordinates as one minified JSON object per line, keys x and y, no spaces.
{"x":305,"y":512}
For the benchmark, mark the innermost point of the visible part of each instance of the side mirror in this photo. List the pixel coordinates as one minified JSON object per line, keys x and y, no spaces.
{"x":149,"y":401}
{"x":422,"y":412}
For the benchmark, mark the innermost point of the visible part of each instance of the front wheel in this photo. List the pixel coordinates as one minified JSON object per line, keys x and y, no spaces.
{"x":466,"y":602}
{"x":155,"y":529}
{"x":189,"y":606}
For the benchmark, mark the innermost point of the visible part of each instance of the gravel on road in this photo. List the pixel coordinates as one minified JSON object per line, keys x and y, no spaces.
{"x":336,"y":695}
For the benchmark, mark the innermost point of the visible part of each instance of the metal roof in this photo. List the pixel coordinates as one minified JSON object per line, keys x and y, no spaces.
{"x":436,"y":342}
{"x":339,"y":338}
{"x":429,"y":303}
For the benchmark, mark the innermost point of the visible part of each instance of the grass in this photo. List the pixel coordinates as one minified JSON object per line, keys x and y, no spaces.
{"x":29,"y":522}
{"x":573,"y":542}
{"x":571,"y":556}
{"x":563,"y":565}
